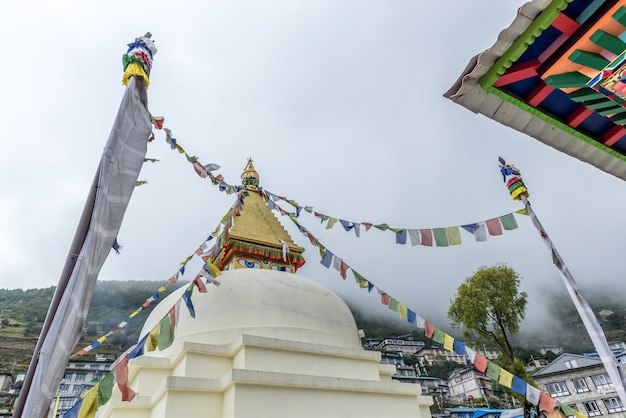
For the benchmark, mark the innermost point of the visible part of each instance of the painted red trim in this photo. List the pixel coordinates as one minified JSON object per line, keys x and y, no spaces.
{"x":578,"y":116}
{"x":538,"y":94}
{"x":518,"y":72}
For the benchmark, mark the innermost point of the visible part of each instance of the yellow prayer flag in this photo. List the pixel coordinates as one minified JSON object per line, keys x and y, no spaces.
{"x":161,"y":289}
{"x":523,"y":212}
{"x":134,"y":314}
{"x":180,"y":149}
{"x":506,"y":378}
{"x":579,"y":415}
{"x":101,"y":339}
{"x":331,"y":223}
{"x":153,"y":338}
{"x":214,"y":233}
{"x":90,"y":403}
{"x":454,"y":236}
{"x":448,"y":342}
{"x":402,"y":310}
{"x":213,"y":269}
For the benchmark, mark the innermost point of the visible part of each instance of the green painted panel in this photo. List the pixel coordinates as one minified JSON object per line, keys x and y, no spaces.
{"x":565,"y":80}
{"x":608,"y":42}
{"x":620,"y":15}
{"x":599,"y":104}
{"x":610,"y":110}
{"x":585,"y":93}
{"x":589,"y":59}
{"x":619,"y":119}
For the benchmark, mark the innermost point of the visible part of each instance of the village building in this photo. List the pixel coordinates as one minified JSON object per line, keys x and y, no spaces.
{"x":581,"y":383}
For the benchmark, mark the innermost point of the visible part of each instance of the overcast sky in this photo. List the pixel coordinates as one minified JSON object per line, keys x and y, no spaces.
{"x":340,"y":105}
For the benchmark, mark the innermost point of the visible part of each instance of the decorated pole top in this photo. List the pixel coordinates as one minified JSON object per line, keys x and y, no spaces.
{"x":137,"y":60}
{"x":513,"y":180}
{"x":250,"y":177}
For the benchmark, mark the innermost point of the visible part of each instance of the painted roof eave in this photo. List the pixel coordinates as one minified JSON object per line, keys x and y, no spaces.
{"x":509,"y":111}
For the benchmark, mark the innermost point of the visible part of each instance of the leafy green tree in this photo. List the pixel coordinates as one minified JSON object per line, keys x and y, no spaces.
{"x":489,"y":306}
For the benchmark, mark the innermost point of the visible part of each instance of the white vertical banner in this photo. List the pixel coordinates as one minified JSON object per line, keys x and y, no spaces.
{"x":118,"y":171}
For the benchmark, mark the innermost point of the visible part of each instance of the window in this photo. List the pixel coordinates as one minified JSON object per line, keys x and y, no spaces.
{"x":67,"y":376}
{"x":66,"y":403}
{"x":581,"y":385}
{"x":557,"y":389}
{"x":64,"y":388}
{"x":571,"y":364}
{"x":602,"y":381}
{"x":80,"y":377}
{"x":574,"y":407}
{"x":592,"y":409}
{"x":614,"y":405}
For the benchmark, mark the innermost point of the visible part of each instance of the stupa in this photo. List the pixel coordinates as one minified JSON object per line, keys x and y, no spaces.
{"x":266,"y":342}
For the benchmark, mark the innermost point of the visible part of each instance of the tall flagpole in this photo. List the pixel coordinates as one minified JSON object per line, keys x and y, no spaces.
{"x":513,"y":180}
{"x":97,"y":230}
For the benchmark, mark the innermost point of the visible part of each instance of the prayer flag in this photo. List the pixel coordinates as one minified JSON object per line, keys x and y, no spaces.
{"x":343,"y":270}
{"x":429,"y":329}
{"x":401,"y":237}
{"x":166,"y":333}
{"x":532,"y":394}
{"x":105,"y":388}
{"x":327,"y":258}
{"x":189,"y":303}
{"x":360,"y":280}
{"x":508,"y":222}
{"x":448,"y":342}
{"x":438,"y":336}
{"x":459,"y":347}
{"x":347,"y":225}
{"x":331,"y":223}
{"x":480,"y":363}
{"x":441,"y":239}
{"x":121,"y":377}
{"x":199,"y":283}
{"x":518,"y":385}
{"x":385,"y":299}
{"x":506,"y":378}
{"x":139,"y":347}
{"x":546,"y":402}
{"x":402,"y":310}
{"x":493,"y":371}
{"x":393,"y":305}
{"x":426,"y":237}
{"x":104,"y":210}
{"x":414,"y":236}
{"x":411,"y":316}
{"x":90,"y":403}
{"x":480,"y":233}
{"x":470,"y":227}
{"x":494,"y":227}
{"x":454,"y":235}
{"x":73,"y":411}
{"x":153,"y":338}
{"x":471,"y":354}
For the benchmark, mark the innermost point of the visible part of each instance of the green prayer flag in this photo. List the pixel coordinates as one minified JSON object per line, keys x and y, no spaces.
{"x":106,"y":388}
{"x":191,"y":159}
{"x":493,"y":371}
{"x":382,"y":227}
{"x":508,"y":222}
{"x":438,"y":336}
{"x":454,"y":236}
{"x":393,"y":305}
{"x":441,"y":238}
{"x":166,"y":333}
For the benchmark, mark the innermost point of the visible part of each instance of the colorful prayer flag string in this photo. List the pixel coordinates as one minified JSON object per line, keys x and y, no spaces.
{"x":440,"y":237}
{"x":492,"y":370}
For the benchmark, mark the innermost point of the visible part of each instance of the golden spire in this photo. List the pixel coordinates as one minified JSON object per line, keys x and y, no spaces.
{"x":249,"y":177}
{"x":256,"y":238}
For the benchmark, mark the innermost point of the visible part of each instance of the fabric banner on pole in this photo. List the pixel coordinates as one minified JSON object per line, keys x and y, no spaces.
{"x":118,"y":172}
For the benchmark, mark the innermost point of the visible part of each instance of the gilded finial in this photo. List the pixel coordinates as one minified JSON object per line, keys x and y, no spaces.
{"x":249,"y":177}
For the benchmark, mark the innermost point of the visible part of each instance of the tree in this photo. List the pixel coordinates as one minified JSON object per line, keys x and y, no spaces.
{"x":489,"y":307}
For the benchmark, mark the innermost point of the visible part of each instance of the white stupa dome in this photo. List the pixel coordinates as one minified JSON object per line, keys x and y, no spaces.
{"x":260,"y":302}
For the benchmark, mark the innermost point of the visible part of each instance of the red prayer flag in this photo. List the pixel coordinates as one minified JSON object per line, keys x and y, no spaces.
{"x":546,"y":402}
{"x":121,"y":376}
{"x":344,"y":269}
{"x":494,"y":226}
{"x":200,"y":284}
{"x":367,"y":225}
{"x":427,"y":237}
{"x":481,"y":363}
{"x":199,"y":169}
{"x":158,"y":121}
{"x":429,"y":329}
{"x":385,"y":299}
{"x":172,"y":314}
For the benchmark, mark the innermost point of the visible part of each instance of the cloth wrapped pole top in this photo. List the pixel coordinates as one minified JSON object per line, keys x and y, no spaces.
{"x":138,"y":59}
{"x":513,"y":180}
